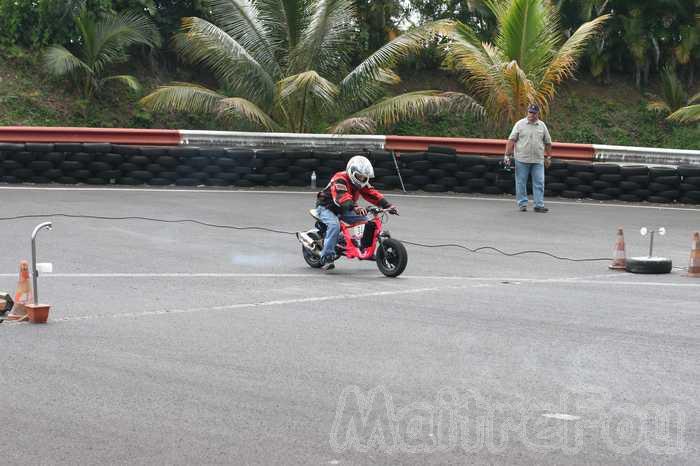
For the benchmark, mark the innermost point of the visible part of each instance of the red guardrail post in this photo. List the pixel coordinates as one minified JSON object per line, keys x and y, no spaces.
{"x":156,"y":137}
{"x":481,"y":146}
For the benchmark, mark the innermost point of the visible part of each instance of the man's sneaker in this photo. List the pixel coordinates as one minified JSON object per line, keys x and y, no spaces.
{"x":523,"y":208}
{"x":541,"y":210}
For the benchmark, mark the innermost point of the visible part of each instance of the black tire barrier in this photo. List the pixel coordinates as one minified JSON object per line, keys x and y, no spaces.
{"x":380,"y":156}
{"x":97,"y":147}
{"x":420,"y":165}
{"x":434,"y":188}
{"x":571,"y":194}
{"x":111,"y":158}
{"x":657,"y":172}
{"x":606,"y":169}
{"x":634,"y":170}
{"x":442,"y":150}
{"x":438,"y":157}
{"x":38,"y":147}
{"x":82,"y":157}
{"x":117,"y":149}
{"x":689,"y":170}
{"x":182,"y":152}
{"x":437,"y":170}
{"x":630,"y":198}
{"x":411,"y":157}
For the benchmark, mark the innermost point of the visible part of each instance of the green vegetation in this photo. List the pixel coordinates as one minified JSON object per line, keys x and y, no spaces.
{"x":331,"y":61}
{"x":583,"y":112}
{"x":526,"y":62}
{"x":288,"y":69}
{"x":104,"y":43}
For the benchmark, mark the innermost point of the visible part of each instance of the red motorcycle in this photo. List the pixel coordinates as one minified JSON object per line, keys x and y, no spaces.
{"x":365,"y":240}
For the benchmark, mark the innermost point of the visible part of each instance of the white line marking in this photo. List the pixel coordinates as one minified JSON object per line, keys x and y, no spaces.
{"x":172,"y":275}
{"x":563,"y":417}
{"x":590,"y":280}
{"x":307,"y":193}
{"x":254,"y":305}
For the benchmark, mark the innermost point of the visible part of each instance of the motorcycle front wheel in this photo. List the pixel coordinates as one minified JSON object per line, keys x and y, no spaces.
{"x":392,"y":257}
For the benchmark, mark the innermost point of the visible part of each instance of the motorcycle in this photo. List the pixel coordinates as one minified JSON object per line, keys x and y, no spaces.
{"x":364,"y":240}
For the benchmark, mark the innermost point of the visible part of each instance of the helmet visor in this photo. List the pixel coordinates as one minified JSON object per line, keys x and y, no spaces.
{"x":361,"y":178}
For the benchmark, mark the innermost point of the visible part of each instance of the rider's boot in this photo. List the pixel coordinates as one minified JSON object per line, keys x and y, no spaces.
{"x":327,"y":262}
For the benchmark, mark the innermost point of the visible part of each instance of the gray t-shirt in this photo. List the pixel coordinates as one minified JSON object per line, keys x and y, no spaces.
{"x":530,"y":139}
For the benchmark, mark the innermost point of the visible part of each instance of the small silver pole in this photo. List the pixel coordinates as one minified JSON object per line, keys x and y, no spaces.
{"x":651,"y":244}
{"x":35,"y":272}
{"x":398,"y":171}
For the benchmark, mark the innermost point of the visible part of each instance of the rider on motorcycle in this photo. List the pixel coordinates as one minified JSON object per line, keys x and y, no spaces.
{"x":338,"y":200}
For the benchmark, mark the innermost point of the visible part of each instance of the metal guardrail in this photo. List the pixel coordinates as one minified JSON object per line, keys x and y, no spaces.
{"x":644,"y":155}
{"x":282,"y":141}
{"x":482,"y":146}
{"x":143,"y":137}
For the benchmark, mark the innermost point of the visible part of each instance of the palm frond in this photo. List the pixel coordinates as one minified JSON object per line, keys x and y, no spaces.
{"x":659,"y":106}
{"x":369,"y":78}
{"x":480,"y":62}
{"x":528,"y":32}
{"x":242,"y":20}
{"x":204,"y":43}
{"x":285,"y":20}
{"x":416,"y":105}
{"x":517,"y":92}
{"x":354,"y":125}
{"x":695,"y":99}
{"x":565,"y":60}
{"x":183,"y":97}
{"x":325,"y":41}
{"x":114,"y":34}
{"x":60,"y":62}
{"x":690,"y":114}
{"x":366,"y":90}
{"x":130,"y":81}
{"x":308,"y":83}
{"x":236,"y":107}
{"x":690,"y":36}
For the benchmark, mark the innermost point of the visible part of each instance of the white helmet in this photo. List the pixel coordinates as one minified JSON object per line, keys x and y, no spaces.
{"x":360,"y":170}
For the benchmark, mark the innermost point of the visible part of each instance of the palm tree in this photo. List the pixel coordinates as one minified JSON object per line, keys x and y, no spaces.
{"x":689,"y":114}
{"x":673,"y":96}
{"x":526,"y":62}
{"x":284,"y":65}
{"x":104,"y":42}
{"x":638,"y":42}
{"x":687,"y":49}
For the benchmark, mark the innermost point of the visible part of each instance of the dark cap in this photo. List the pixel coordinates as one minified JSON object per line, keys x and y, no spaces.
{"x":533,"y":108}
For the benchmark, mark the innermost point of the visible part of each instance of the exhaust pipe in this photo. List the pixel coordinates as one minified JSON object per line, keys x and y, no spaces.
{"x":306,"y":240}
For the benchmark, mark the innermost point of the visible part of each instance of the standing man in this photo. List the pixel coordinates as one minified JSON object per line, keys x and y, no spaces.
{"x":530,"y":141}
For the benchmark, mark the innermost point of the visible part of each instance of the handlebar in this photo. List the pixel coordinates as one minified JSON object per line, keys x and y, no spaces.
{"x":377,"y":210}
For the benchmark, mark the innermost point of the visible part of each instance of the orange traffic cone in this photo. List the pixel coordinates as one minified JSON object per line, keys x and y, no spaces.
{"x":23,"y":294}
{"x":694,"y":265}
{"x":619,"y":255}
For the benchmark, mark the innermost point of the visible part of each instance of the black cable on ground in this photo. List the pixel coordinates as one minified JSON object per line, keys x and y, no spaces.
{"x":491,"y":248}
{"x":282,"y":232}
{"x":197,"y":222}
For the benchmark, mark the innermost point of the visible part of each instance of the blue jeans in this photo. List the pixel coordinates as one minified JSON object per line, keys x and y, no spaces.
{"x":333,"y":227}
{"x":522,"y":172}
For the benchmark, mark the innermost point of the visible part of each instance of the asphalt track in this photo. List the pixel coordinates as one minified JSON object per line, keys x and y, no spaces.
{"x":181,"y":344}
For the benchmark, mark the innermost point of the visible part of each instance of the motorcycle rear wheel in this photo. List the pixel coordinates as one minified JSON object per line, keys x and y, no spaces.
{"x":312,"y":259}
{"x":392,"y":258}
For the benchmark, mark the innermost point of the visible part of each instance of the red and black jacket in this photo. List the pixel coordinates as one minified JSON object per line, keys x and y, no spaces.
{"x":340,"y":195}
